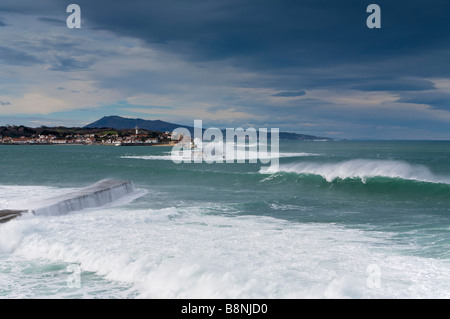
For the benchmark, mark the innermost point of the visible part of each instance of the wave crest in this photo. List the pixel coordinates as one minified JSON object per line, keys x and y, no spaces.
{"x":361,"y":169}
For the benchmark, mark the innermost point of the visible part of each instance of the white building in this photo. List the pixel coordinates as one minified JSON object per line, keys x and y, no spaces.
{"x":152,"y":141}
{"x":55,"y":141}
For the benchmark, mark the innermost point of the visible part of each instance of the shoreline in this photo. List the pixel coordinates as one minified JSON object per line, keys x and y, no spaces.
{"x":94,"y":144}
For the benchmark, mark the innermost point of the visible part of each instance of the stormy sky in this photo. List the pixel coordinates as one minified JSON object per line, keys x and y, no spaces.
{"x":309,"y":66}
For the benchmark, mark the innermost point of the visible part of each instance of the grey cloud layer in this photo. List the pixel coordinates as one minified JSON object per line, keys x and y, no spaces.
{"x":276,"y":37}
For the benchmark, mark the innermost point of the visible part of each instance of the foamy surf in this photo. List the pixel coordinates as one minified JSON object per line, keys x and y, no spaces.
{"x":183,"y":253}
{"x":360,"y":169}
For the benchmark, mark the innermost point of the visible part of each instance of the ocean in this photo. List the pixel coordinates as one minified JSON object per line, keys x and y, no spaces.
{"x":335,"y":219}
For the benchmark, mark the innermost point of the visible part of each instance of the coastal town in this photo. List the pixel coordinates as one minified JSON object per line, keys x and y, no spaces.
{"x":21,"y":135}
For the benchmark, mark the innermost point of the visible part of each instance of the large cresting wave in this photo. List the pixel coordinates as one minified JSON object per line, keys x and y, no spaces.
{"x":362,"y":169}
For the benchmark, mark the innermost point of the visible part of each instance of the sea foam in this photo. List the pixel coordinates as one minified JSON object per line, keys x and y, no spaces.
{"x":186,"y":253}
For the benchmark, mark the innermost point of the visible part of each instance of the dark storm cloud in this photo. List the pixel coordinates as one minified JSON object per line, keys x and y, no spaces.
{"x":32,"y":6}
{"x":289,"y":94}
{"x":11,"y":56}
{"x":279,"y":38}
{"x":395,"y":85}
{"x":67,"y":63}
{"x":278,"y":33}
{"x":436,"y":100}
{"x":53,"y":21}
{"x":312,"y":43}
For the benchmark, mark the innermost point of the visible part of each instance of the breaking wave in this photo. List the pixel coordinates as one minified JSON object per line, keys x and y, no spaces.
{"x":183,"y":253}
{"x":360,"y":169}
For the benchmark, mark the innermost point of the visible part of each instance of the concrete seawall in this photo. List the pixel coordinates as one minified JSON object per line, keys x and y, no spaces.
{"x":7,"y":215}
{"x":96,"y":195}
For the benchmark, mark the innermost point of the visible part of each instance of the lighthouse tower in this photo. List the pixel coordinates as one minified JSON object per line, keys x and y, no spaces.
{"x":137,"y":130}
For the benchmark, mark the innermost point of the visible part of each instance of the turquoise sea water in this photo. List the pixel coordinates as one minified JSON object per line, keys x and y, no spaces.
{"x":335,"y":220}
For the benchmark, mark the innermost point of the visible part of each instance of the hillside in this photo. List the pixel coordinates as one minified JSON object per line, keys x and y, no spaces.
{"x":118,"y":122}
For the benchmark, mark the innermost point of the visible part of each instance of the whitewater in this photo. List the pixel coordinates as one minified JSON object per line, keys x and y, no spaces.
{"x":334,"y":220}
{"x":183,"y":253}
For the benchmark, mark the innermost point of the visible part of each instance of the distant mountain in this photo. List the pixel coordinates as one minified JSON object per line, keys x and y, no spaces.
{"x":120,"y":123}
{"x":302,"y":137}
